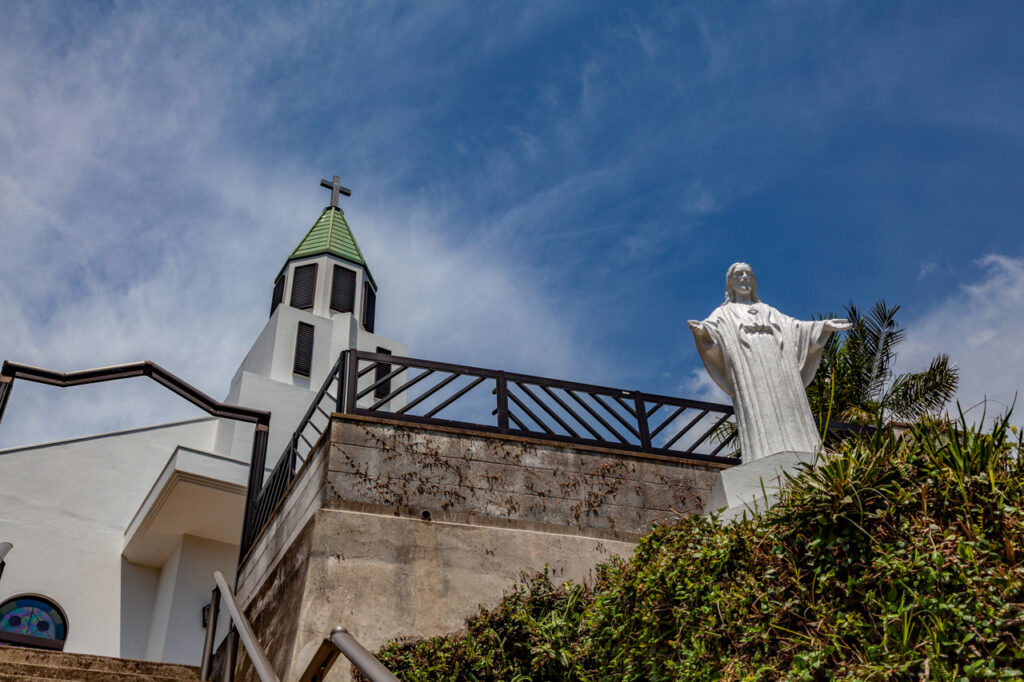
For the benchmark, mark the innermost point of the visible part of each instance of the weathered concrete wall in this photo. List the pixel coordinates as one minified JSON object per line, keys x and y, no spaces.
{"x":384,"y":576}
{"x":418,"y":469}
{"x":276,"y":610}
{"x":405,"y":531}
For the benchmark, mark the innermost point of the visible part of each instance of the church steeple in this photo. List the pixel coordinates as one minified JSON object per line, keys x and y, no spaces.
{"x":331,"y":234}
{"x":324,"y":272}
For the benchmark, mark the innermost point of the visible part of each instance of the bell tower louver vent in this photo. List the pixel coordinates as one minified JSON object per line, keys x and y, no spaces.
{"x":278,"y":294}
{"x":304,"y":286}
{"x":369,"y":306}
{"x":343,"y":290}
{"x":303,"y":349}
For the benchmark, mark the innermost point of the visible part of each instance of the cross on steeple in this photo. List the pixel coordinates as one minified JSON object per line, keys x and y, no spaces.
{"x":336,"y":189}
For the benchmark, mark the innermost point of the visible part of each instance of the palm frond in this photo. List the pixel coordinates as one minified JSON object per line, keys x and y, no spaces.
{"x":916,"y":394}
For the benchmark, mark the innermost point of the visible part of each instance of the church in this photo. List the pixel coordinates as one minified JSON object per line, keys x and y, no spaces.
{"x":131,"y":525}
{"x":337,"y":482}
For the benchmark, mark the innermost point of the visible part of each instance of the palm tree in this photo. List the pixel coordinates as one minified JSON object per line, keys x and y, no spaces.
{"x":855,"y":382}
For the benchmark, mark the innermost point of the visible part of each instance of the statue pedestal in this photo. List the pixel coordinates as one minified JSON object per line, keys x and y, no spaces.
{"x":754,"y":486}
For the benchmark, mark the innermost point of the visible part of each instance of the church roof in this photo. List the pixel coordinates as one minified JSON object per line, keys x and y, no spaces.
{"x":331,"y":234}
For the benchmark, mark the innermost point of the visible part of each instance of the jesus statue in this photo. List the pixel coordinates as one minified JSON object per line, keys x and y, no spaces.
{"x":763,"y":360}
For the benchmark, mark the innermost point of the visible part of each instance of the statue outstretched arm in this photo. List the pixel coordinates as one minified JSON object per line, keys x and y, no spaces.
{"x":711,"y":353}
{"x":838,"y":325}
{"x":700,"y":331}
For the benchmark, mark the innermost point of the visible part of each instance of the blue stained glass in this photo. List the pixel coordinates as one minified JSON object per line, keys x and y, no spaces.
{"x":34,"y":617}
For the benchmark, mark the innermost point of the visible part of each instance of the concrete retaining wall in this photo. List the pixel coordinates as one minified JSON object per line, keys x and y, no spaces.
{"x":395,"y":530}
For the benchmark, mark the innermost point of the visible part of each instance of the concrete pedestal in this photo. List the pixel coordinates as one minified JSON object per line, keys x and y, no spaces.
{"x":753,"y":487}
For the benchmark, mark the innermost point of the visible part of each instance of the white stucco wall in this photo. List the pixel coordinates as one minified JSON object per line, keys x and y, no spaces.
{"x":176,"y":634}
{"x":65,"y":507}
{"x":265,"y":379}
{"x":138,"y":590}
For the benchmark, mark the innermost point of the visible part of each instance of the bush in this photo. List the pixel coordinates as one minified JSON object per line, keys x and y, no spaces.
{"x":895,"y":558}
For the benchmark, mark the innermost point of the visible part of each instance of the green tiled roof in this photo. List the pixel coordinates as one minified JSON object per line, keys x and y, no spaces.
{"x":331,"y":234}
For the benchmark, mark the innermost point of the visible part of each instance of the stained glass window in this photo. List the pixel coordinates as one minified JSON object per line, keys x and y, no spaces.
{"x":32,"y":621}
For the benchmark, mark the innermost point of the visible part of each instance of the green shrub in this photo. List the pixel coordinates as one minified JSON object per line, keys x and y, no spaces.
{"x":898,"y":557}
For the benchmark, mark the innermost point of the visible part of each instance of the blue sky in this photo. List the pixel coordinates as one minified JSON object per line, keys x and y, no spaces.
{"x":546,"y":187}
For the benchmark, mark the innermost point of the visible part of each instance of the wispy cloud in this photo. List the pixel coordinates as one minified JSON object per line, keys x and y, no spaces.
{"x":544,"y":186}
{"x":980,"y":328}
{"x":137,"y":225}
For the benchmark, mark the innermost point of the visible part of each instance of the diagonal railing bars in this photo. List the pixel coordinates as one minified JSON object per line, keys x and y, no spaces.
{"x":493,"y":401}
{"x":260,"y":505}
{"x":537,"y":407}
{"x":261,"y":418}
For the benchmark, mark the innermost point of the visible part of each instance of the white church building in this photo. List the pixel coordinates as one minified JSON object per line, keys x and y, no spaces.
{"x":131,"y":525}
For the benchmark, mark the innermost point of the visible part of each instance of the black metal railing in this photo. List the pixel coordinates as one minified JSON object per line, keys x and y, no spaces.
{"x":426,"y":392}
{"x":260,"y":418}
{"x":422,"y":391}
{"x":303,"y":441}
{"x":493,"y":401}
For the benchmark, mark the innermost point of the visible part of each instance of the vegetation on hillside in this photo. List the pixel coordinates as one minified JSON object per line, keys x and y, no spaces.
{"x":899,"y":557}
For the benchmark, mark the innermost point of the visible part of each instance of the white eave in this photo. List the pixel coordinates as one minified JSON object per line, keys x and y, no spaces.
{"x":197,"y":493}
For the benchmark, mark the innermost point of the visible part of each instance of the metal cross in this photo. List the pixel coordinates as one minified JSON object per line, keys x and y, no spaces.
{"x":336,"y":189}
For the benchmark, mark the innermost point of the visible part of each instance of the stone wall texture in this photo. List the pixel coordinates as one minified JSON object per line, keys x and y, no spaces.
{"x":415,"y":469}
{"x":403,"y":531}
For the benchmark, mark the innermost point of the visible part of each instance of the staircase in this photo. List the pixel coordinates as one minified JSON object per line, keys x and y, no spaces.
{"x":22,"y":665}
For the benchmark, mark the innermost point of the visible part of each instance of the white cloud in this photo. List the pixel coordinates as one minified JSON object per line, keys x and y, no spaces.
{"x":700,"y":386}
{"x":927,"y":268}
{"x":981,"y":328}
{"x":137,"y":226}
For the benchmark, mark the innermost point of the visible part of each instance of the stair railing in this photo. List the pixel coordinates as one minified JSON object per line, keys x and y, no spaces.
{"x":5,"y":547}
{"x":241,"y":629}
{"x":338,"y":642}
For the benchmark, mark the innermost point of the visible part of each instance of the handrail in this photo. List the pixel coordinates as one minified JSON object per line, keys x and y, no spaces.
{"x":262,"y":664}
{"x":261,"y":502}
{"x":5,"y":547}
{"x":539,"y":407}
{"x":341,"y":641}
{"x":13,"y":370}
{"x":261,"y":418}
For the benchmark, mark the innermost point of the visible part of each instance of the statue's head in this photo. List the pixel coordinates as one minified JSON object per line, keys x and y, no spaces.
{"x":740,"y":277}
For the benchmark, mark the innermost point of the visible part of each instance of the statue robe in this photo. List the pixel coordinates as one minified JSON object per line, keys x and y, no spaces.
{"x":763,"y":360}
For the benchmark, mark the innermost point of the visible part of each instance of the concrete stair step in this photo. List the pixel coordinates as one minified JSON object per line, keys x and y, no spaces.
{"x":21,"y":664}
{"x":25,"y":671}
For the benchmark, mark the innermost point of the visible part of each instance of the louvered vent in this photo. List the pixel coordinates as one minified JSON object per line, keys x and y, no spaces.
{"x":303,"y":349}
{"x":304,"y":286}
{"x":380,"y":372}
{"x":278,"y":294}
{"x":343,"y":290}
{"x":369,"y":306}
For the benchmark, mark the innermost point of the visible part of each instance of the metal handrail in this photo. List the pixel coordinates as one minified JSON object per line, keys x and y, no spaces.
{"x":264,"y":669}
{"x":17,"y":370}
{"x":5,"y":547}
{"x":261,"y":418}
{"x":261,"y":502}
{"x":341,"y":641}
{"x":540,"y":407}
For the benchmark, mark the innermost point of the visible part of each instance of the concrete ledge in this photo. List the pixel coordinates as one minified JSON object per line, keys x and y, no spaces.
{"x":577,"y":447}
